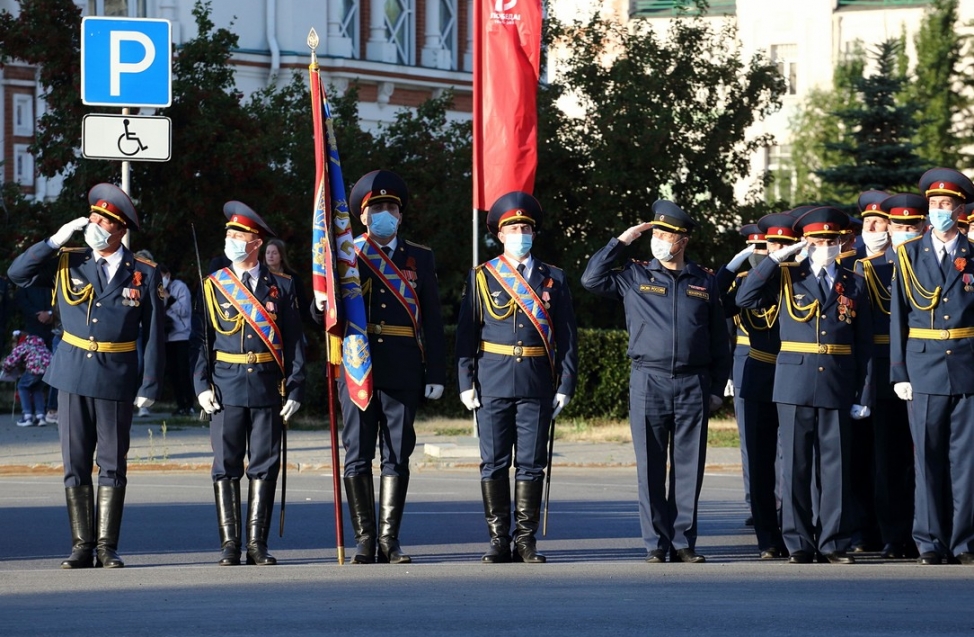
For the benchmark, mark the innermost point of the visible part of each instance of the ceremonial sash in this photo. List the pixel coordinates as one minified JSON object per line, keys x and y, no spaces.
{"x":522,"y":294}
{"x":252,"y":311}
{"x":393,"y":278}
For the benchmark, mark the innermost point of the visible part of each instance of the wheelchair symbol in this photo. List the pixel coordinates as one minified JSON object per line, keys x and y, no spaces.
{"x":126,"y":140}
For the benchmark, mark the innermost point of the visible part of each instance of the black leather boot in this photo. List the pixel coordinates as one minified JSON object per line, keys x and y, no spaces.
{"x":227,"y":492}
{"x":260,"y":507}
{"x":392,"y":501}
{"x":111,"y":500}
{"x":361,"y":509}
{"x":527,"y":515}
{"x":497,"y":510}
{"x":81,"y":516}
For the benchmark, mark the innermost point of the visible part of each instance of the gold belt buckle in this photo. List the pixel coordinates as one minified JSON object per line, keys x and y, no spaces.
{"x":377,"y":329}
{"x":518,"y":350}
{"x":92,"y":346}
{"x":251,"y":358}
{"x":823,"y":349}
{"x":944,"y":335}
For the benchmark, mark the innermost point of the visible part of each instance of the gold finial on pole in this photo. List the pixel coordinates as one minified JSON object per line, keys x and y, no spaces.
{"x":313,"y":44}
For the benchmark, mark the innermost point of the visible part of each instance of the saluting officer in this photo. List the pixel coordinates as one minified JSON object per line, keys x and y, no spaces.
{"x":254,"y":364}
{"x":408,"y":348}
{"x":892,"y":444}
{"x":822,"y":370}
{"x":755,"y":354}
{"x":517,"y":362}
{"x":931,"y":331}
{"x":107,"y":299}
{"x":680,"y":352}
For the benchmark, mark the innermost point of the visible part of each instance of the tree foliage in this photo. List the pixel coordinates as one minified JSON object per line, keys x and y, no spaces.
{"x":876,"y":150}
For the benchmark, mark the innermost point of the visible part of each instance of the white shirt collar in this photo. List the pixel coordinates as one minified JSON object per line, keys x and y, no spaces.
{"x":254,"y":273}
{"x":940,"y":246}
{"x":829,"y":271}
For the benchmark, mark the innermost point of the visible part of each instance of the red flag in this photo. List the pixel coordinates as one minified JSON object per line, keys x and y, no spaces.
{"x":507,"y":59}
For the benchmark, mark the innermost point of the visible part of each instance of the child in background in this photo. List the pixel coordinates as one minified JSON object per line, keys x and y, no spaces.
{"x":30,"y":359}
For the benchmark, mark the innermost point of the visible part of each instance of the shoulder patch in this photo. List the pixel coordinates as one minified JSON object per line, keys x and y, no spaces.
{"x":638,"y":262}
{"x":147,"y":262}
{"x":418,"y":245}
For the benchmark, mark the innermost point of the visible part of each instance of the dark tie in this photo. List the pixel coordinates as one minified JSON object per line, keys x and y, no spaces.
{"x":102,"y":274}
{"x":245,"y":279}
{"x":388,"y":251}
{"x":945,"y":264}
{"x":520,"y":269}
{"x":823,"y":284}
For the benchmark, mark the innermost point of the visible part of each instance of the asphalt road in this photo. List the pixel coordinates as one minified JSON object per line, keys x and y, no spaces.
{"x":594,"y":583}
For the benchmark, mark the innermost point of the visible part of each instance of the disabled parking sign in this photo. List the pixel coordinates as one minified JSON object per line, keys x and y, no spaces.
{"x":126,"y":62}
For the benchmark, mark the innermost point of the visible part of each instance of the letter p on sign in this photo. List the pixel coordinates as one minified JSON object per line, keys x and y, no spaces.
{"x":126,"y":62}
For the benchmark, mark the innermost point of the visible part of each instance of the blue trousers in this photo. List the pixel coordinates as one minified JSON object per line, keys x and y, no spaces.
{"x":89,"y":426}
{"x":668,"y":418}
{"x":514,"y":431}
{"x":389,"y":420}
{"x":251,"y":432}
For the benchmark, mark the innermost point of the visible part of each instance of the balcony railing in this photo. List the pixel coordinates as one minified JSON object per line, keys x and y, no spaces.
{"x":659,"y":8}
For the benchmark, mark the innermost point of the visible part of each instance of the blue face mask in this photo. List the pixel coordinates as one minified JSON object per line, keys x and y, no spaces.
{"x":941,"y":220}
{"x":383,"y":224}
{"x":518,"y":245}
{"x":899,"y":237}
{"x":235,"y":250}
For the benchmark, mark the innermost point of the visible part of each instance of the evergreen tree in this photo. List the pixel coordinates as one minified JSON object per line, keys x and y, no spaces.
{"x":939,"y":135}
{"x":876,"y":147}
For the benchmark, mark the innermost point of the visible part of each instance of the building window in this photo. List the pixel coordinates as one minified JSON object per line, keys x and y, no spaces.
{"x":448,"y":30}
{"x":23,"y":115}
{"x":778,"y":163}
{"x":23,"y":166}
{"x":117,"y":8}
{"x":350,"y":24}
{"x":785,"y":57}
{"x":401,"y":26}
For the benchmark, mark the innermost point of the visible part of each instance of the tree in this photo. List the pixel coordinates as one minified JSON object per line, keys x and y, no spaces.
{"x":662,"y":117}
{"x":814,"y":126}
{"x":876,"y":145}
{"x":939,"y":135}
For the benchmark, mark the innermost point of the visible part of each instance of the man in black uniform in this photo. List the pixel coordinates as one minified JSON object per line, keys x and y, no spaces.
{"x":255,"y":362}
{"x":680,"y":352}
{"x":106,"y":298}
{"x":408,"y":352}
{"x":517,"y":358}
{"x":821,"y":376}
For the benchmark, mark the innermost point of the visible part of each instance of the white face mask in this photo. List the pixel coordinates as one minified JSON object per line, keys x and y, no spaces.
{"x":875,"y":241}
{"x":97,"y":237}
{"x":662,"y":249}
{"x":235,"y":250}
{"x":165,"y":282}
{"x":823,"y":256}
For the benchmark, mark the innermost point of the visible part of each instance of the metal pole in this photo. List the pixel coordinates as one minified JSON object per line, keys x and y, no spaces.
{"x":126,"y":186}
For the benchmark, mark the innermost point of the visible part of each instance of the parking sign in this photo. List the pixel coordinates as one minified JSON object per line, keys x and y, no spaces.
{"x":126,"y":62}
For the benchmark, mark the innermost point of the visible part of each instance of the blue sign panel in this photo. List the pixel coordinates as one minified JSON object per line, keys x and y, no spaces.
{"x":126,"y":62}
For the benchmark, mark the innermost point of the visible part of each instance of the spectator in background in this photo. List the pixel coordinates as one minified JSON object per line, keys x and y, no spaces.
{"x":179,"y":308}
{"x":275,"y":256}
{"x":30,"y":359}
{"x":142,"y":254}
{"x":34,"y":302}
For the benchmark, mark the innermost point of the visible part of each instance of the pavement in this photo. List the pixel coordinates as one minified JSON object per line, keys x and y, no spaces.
{"x":161,"y":443}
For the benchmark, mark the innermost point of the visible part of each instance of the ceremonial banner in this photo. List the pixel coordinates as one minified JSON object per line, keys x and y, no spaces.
{"x":507,"y":59}
{"x":334,"y":271}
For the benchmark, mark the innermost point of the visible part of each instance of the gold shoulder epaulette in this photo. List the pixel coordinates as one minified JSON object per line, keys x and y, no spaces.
{"x":875,"y":256}
{"x":418,"y":245}
{"x":282,"y":275}
{"x":149,"y":263}
{"x":742,"y":274}
{"x":73,"y":249}
{"x":914,"y":239}
{"x":639,"y":262}
{"x":705,"y":269}
{"x":788,"y":264}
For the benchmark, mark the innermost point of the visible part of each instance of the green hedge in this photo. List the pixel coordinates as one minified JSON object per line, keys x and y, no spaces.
{"x":602,"y":392}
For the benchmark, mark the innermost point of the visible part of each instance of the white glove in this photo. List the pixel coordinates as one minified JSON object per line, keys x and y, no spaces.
{"x":320,"y":300}
{"x":142,"y":401}
{"x":739,"y":258}
{"x":716,"y":402}
{"x":560,"y":402}
{"x":903,"y":390}
{"x":859,"y":412}
{"x":635,"y":232}
{"x":434,"y":392}
{"x":290,"y":408}
{"x":729,"y":389}
{"x":785,"y":253}
{"x":469,"y":399}
{"x":63,"y":235}
{"x":208,"y":402}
